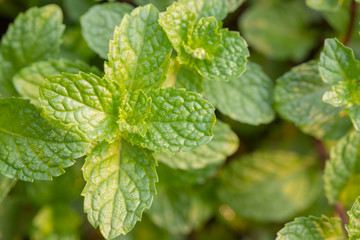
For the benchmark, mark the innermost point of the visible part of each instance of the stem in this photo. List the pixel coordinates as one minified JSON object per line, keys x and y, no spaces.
{"x":350,"y":29}
{"x":321,"y":151}
{"x":341,"y":212}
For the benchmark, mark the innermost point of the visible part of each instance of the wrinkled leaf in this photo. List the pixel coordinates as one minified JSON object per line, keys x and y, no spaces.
{"x":29,"y":79}
{"x":84,"y":101}
{"x":120,"y":185}
{"x":179,"y":121}
{"x":354,"y":226}
{"x":139,"y":56}
{"x":30,"y":147}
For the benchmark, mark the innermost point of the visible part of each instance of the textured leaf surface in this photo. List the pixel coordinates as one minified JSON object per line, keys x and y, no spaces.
{"x":339,"y":67}
{"x":177,"y":22}
{"x":312,"y":228}
{"x":261,"y":177}
{"x":247,"y":99}
{"x":354,"y":226}
{"x":229,"y":59}
{"x":298,"y":98}
{"x":120,"y":185}
{"x":180,"y":210}
{"x":5,"y":186}
{"x":203,"y":39}
{"x":99,"y":22}
{"x":324,"y":5}
{"x":135,"y":109}
{"x":34,"y":36}
{"x":85,"y":101}
{"x":140,"y":52}
{"x":341,"y":166}
{"x":224,"y":143}
{"x":30,"y":147}
{"x":29,"y":79}
{"x":179,"y":121}
{"x":278,"y":29}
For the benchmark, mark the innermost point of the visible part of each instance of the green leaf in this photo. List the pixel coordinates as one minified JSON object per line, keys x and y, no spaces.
{"x":341,"y":166}
{"x":189,"y":79}
{"x":203,"y":39}
{"x":298,"y":98}
{"x":55,"y":222}
{"x":278,"y":29}
{"x":285,"y":180}
{"x":140,"y":52}
{"x":34,"y":36}
{"x":229,"y":58}
{"x":82,"y":100}
{"x":177,"y":22}
{"x":180,"y":210}
{"x":179,"y":121}
{"x":354,"y":226}
{"x":224,"y":144}
{"x":339,"y":68}
{"x":207,"y":8}
{"x":226,"y":60}
{"x":30,"y":147}
{"x":29,"y":79}
{"x":98,"y":24}
{"x":134,"y":110}
{"x":246,"y":99}
{"x":120,"y":185}
{"x":324,"y":5}
{"x":5,"y":186}
{"x":7,"y":71}
{"x":312,"y":228}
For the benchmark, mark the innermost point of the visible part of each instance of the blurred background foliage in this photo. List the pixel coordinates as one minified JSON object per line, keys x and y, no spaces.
{"x":248,"y":182}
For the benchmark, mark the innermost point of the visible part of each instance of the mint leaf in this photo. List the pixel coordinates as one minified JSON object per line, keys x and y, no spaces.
{"x":180,"y":210}
{"x":140,"y":52}
{"x":251,"y":96}
{"x":176,"y":21}
{"x":339,"y":67}
{"x":179,"y":121}
{"x":312,"y":228}
{"x":98,"y":24}
{"x":159,"y":4}
{"x":134,"y":110}
{"x":298,"y":98}
{"x":324,"y":5}
{"x":7,"y":71}
{"x":207,"y":8}
{"x":229,"y":59}
{"x":226,"y":60}
{"x":189,"y":79}
{"x":279,"y":30}
{"x":30,"y":147}
{"x":341,"y":167}
{"x":84,"y":101}
{"x":29,"y":79}
{"x":120,"y":185}
{"x":253,"y":179}
{"x":34,"y":36}
{"x":203,"y":39}
{"x":5,"y":186}
{"x":354,"y":226}
{"x":224,"y":143}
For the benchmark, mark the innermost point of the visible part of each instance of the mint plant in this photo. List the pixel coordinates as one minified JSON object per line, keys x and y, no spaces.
{"x":171,"y":125}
